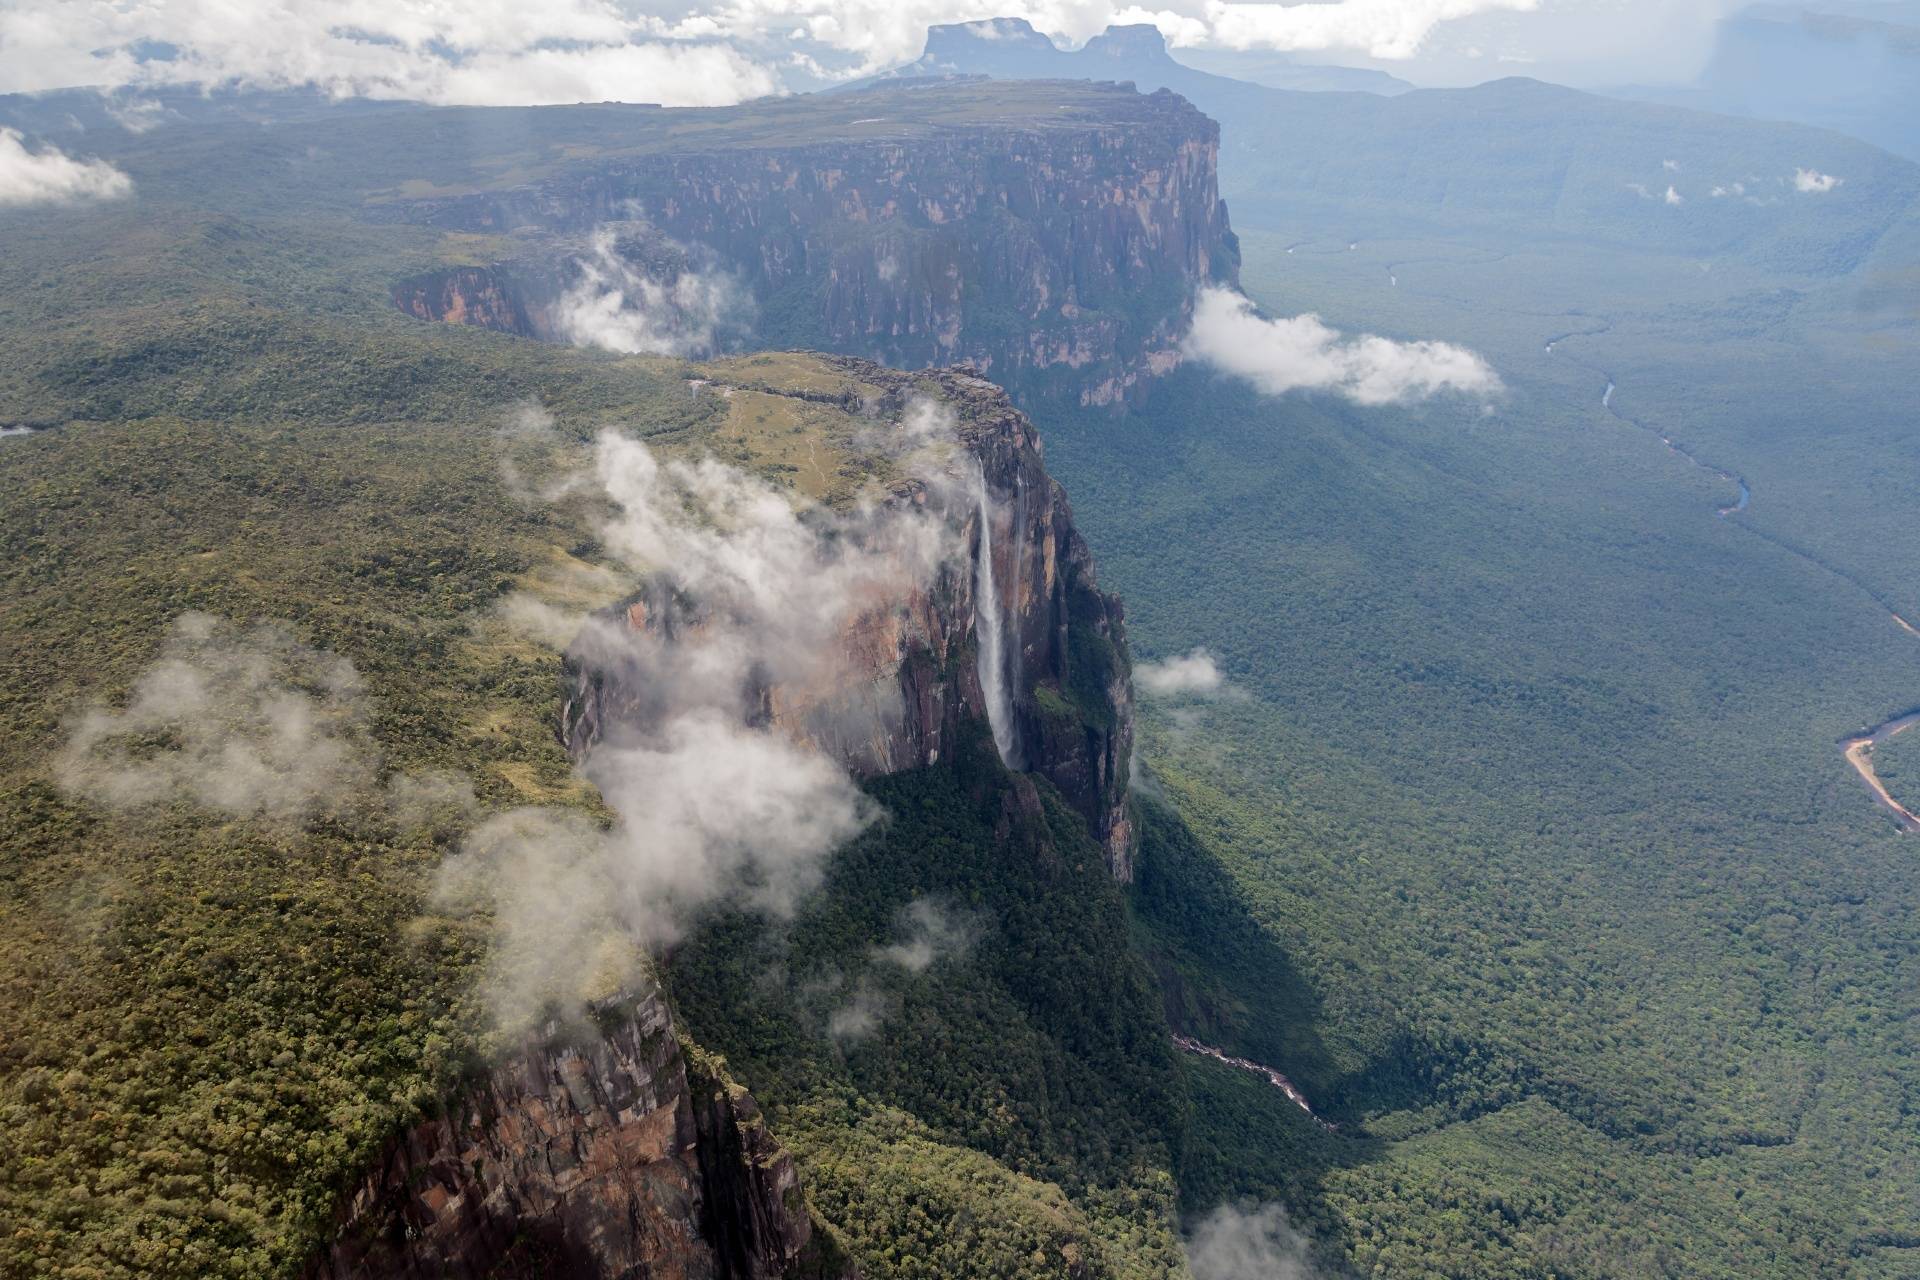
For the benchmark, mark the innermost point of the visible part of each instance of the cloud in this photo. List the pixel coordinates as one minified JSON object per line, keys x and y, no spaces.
{"x":726,"y":763}
{"x":711,"y":813}
{"x":861,"y":1014}
{"x":927,"y":932}
{"x":481,"y":52}
{"x":1300,"y":353}
{"x":1249,"y":1244}
{"x":614,"y":306}
{"x":51,"y":176}
{"x":438,"y":799}
{"x":250,"y":722}
{"x":1671,"y":166}
{"x":1813,"y":182}
{"x":1193,"y":673}
{"x":677,"y":52}
{"x":1387,"y":29}
{"x":1674,"y":197}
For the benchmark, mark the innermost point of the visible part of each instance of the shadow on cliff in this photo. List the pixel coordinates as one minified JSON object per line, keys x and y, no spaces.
{"x":1225,"y":981}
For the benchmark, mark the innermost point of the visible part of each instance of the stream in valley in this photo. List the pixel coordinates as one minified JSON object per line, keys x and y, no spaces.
{"x":1260,"y":1069}
{"x":1856,"y":749}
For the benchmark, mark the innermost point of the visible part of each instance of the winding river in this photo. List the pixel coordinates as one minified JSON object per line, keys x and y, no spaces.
{"x":1857,"y":750}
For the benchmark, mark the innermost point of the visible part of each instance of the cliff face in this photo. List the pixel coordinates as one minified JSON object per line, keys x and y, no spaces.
{"x":914,"y":661}
{"x":621,"y":1154}
{"x":1058,"y":257}
{"x":603,"y":1158}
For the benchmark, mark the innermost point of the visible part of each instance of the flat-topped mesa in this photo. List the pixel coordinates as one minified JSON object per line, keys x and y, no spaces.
{"x":1050,"y":236}
{"x":908,"y":672}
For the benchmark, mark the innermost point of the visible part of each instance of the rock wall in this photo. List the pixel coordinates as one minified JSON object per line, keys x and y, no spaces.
{"x":610,"y":1153}
{"x":1059,"y":260}
{"x":915,"y":676}
{"x":592,"y":1156}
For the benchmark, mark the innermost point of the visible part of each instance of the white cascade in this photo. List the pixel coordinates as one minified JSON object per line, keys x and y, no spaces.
{"x":990,"y":636}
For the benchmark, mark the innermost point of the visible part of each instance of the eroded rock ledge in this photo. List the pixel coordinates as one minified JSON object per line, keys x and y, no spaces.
{"x":585,"y":1155}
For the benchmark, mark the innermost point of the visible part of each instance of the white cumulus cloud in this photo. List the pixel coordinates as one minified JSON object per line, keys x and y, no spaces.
{"x":1255,"y":1243}
{"x":51,"y":176}
{"x":1813,"y":182}
{"x":250,"y":722}
{"x":1392,"y":29}
{"x":727,"y":772}
{"x":619,"y":307}
{"x":1301,"y":353}
{"x":1191,"y":673}
{"x":677,"y":52}
{"x":480,"y":52}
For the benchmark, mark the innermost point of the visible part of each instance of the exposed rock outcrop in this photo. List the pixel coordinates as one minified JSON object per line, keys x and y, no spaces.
{"x":586,"y":1155}
{"x":910,"y":673}
{"x":1058,"y":255}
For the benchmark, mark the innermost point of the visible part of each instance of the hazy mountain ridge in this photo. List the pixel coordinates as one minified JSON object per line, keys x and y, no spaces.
{"x":1851,"y":68}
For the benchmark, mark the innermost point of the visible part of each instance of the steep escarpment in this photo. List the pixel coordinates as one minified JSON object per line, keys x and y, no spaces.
{"x":1057,"y":254}
{"x":1016,"y":632}
{"x":615,"y":1149}
{"x":588,"y":1153}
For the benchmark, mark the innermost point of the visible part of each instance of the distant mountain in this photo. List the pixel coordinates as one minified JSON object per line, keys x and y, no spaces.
{"x":1854,"y":68}
{"x":1516,"y":157}
{"x":1010,"y":49}
{"x":76,"y":111}
{"x":1535,"y":162}
{"x":1286,"y":71}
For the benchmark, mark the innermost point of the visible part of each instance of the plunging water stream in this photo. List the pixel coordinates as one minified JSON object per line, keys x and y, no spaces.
{"x":989,"y":631}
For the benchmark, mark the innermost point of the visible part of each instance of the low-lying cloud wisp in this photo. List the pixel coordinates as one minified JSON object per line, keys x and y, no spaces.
{"x":250,"y":722}
{"x":1301,"y":353}
{"x":1813,"y":182}
{"x":927,"y":932}
{"x":51,"y":176}
{"x":617,"y":307}
{"x":724,"y":771}
{"x":711,"y":813}
{"x":1251,"y":1243}
{"x":1193,"y":673}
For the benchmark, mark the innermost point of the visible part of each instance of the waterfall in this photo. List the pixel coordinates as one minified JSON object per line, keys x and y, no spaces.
{"x":990,"y":636}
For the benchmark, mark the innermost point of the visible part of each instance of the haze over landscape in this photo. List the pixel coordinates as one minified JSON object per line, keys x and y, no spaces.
{"x":824,"y":639}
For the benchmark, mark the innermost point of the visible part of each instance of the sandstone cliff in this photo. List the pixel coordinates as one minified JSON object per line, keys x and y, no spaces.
{"x":912,"y":672}
{"x":591,"y":1155}
{"x":1054,"y":248}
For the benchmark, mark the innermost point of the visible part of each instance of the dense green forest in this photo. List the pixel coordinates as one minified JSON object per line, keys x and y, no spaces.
{"x":215,"y":1020}
{"x":1524,"y":774}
